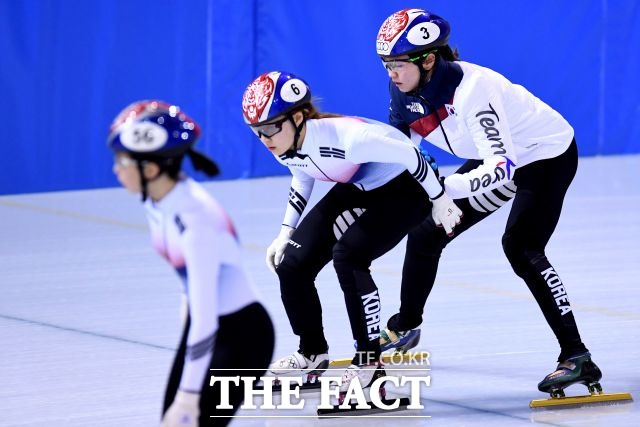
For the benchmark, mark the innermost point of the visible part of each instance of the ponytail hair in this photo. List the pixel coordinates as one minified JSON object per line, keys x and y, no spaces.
{"x":310,"y":111}
{"x":448,"y":54}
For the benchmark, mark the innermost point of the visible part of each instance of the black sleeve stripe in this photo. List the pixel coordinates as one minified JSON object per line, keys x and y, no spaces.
{"x":297,"y":201}
{"x":475,"y":205}
{"x":490,"y":201}
{"x":294,"y":195}
{"x":421,"y":172}
{"x":299,"y":207}
{"x":508,"y":189}
{"x":487,"y":196}
{"x":497,"y":193}
{"x":481,"y":205}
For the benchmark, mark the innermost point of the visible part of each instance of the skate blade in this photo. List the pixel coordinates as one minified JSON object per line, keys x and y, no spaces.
{"x":580,"y":400}
{"x":337,"y":412}
{"x":393,"y":358}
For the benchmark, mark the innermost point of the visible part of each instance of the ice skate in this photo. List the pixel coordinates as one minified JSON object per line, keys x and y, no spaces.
{"x":578,"y":369}
{"x":401,"y":341}
{"x":298,"y":362}
{"x":309,"y":368}
{"x":364,"y":376}
{"x":575,"y":370}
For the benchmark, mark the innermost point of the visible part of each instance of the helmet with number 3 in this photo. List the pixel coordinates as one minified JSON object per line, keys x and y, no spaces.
{"x":153,"y":128}
{"x":272,"y":95}
{"x":411,"y":31}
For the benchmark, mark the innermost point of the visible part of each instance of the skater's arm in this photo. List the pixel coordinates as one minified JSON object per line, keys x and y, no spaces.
{"x":301,"y":187}
{"x":203,"y":248}
{"x":487,"y":122}
{"x":299,"y":194}
{"x":371,"y":147}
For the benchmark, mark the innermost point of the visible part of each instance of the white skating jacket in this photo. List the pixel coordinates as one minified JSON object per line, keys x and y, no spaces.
{"x":484,"y":117}
{"x":352,"y":150}
{"x":194,"y":234}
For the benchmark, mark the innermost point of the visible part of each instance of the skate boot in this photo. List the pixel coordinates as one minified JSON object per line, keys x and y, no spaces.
{"x":578,"y":369}
{"x":297,"y":362}
{"x":401,"y":341}
{"x":366,"y":374}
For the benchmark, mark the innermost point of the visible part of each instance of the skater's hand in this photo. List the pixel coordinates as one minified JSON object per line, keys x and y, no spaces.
{"x":184,"y":411}
{"x":445,"y":213}
{"x":275,"y":251}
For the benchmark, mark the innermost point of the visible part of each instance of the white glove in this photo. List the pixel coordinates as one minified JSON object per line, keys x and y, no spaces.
{"x":184,"y":411}
{"x":275,"y":251}
{"x":445,"y":213}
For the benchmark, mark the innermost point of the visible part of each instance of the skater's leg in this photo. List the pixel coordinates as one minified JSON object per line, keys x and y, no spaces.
{"x":176,"y":369}
{"x":370,"y":236}
{"x":244,"y":340}
{"x":310,"y":251}
{"x":424,"y":247}
{"x":532,"y":220}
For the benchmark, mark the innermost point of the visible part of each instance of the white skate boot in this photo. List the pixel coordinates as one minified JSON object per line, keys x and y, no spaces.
{"x":366,"y":374}
{"x":299,"y":363}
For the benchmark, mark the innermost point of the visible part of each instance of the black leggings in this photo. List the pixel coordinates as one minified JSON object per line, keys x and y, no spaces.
{"x":390,"y":212}
{"x":541,"y":187}
{"x":244,"y":340}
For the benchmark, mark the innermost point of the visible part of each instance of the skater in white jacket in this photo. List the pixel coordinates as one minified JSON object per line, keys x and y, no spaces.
{"x":516,"y":146}
{"x":383,"y":188}
{"x":192,"y":231}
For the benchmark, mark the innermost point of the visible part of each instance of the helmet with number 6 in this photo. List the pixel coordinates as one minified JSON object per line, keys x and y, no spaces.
{"x":272,"y":95}
{"x":410,"y":32}
{"x":153,"y":129}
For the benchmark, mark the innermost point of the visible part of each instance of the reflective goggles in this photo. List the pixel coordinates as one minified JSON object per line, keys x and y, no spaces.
{"x":397,"y":64}
{"x":270,"y":129}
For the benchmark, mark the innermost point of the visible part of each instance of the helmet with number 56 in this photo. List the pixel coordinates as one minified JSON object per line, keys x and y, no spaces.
{"x":153,"y":129}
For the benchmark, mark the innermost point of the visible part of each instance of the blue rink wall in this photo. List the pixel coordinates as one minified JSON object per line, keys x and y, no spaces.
{"x":67,"y":67}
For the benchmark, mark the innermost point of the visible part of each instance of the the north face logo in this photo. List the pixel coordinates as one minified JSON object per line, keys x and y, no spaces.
{"x":415,"y":107}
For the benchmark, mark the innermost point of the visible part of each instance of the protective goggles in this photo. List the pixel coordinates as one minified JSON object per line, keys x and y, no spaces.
{"x":397,"y":64}
{"x":270,"y":129}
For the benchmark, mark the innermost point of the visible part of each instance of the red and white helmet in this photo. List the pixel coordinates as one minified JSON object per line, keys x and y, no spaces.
{"x":273,"y":94}
{"x":411,"y":31}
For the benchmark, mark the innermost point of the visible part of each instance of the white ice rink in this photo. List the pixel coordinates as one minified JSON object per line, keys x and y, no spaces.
{"x":89,"y":313}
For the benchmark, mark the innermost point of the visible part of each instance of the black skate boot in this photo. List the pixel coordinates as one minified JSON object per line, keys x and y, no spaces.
{"x":400,"y":341}
{"x":578,"y":369}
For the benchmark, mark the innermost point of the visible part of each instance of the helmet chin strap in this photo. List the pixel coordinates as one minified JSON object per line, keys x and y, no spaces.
{"x":144,"y":181}
{"x":293,"y":151}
